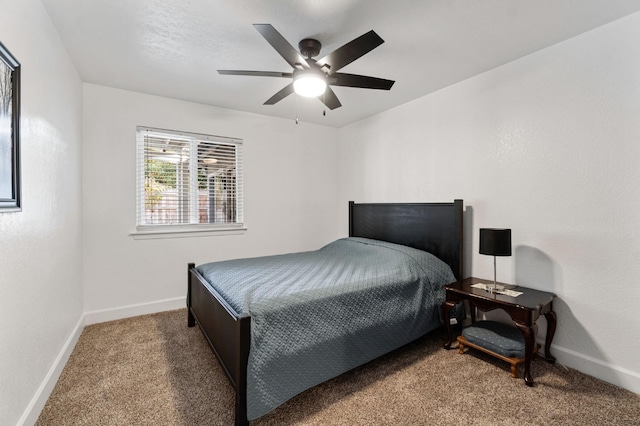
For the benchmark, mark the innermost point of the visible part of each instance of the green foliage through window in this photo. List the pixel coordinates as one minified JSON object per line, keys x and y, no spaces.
{"x":162,"y":172}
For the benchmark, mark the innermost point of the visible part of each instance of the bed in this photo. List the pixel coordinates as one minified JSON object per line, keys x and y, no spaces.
{"x":273,"y":342}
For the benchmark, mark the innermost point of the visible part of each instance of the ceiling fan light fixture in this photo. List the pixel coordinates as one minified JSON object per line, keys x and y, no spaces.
{"x":309,"y":84}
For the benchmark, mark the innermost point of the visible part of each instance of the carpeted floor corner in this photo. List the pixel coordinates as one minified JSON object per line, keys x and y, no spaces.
{"x":154,"y":370}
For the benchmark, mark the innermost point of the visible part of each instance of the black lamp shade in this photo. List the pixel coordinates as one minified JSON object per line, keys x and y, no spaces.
{"x":495,"y":242}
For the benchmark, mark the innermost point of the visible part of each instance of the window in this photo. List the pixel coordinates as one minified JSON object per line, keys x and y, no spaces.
{"x":188,"y":182}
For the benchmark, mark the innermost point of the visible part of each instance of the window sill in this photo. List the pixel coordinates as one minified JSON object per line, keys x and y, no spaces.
{"x":10,"y":209}
{"x":152,"y":233}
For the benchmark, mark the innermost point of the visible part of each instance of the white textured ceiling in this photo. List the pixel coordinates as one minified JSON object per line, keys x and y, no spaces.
{"x":173,"y":48}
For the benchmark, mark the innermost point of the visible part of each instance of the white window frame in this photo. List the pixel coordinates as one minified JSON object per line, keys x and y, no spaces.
{"x":193,"y":228}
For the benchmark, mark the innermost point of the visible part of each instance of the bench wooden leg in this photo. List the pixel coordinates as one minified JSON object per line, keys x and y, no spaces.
{"x":514,"y":371}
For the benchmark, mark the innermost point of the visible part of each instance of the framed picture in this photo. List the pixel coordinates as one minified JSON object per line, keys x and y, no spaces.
{"x":9,"y":131}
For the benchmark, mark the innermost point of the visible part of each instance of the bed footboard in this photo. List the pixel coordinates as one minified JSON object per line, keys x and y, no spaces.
{"x":227,"y":332}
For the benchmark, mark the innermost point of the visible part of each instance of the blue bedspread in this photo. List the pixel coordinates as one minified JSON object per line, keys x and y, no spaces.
{"x":316,"y":315}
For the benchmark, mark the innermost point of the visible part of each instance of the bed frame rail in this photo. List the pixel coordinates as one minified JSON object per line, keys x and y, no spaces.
{"x":227,"y":332}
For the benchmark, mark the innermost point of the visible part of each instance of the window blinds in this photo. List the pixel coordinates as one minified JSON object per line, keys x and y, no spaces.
{"x":188,"y":179}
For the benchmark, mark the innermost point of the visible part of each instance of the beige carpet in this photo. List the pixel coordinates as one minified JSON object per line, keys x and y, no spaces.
{"x":153,"y":370}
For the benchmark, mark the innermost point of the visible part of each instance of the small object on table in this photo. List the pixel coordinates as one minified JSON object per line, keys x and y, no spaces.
{"x":497,"y":289}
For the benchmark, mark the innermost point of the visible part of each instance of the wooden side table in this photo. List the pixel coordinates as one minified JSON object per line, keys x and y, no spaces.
{"x":524,"y":310}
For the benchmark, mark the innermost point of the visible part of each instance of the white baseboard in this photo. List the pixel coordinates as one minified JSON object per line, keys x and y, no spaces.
{"x":602,"y":370}
{"x":104,"y":315}
{"x":38,"y":401}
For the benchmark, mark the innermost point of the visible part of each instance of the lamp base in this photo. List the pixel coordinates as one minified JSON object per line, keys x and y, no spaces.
{"x":499,"y":287}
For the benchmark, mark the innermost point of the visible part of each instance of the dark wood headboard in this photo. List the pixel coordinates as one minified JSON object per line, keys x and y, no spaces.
{"x":432,"y":227}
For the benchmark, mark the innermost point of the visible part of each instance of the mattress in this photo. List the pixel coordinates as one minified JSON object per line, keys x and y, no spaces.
{"x":318,"y":314}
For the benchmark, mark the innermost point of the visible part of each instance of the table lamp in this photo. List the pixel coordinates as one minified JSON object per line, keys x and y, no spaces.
{"x":495,"y":242}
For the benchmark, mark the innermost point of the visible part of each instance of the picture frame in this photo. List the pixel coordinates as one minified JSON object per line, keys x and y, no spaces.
{"x":10,"y":190}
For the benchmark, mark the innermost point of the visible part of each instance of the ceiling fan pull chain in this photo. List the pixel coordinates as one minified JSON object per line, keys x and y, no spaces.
{"x":324,"y":102}
{"x":296,"y":109}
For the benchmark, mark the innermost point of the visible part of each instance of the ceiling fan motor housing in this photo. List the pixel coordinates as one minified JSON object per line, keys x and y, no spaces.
{"x":309,"y":47}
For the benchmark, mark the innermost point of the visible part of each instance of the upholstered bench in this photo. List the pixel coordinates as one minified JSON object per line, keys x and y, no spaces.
{"x":500,"y":340}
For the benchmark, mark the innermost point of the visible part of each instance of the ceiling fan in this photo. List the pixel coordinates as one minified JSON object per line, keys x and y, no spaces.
{"x":312,"y":78}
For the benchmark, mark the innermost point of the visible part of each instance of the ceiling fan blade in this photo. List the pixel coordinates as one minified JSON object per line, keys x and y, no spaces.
{"x":361,"y":81}
{"x":351,"y":51}
{"x":286,"y":91}
{"x":330,"y":99}
{"x":282,"y":46}
{"x":257,"y":73}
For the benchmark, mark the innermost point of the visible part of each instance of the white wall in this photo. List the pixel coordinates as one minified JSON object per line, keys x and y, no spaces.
{"x":549,"y":146}
{"x":290,"y":187}
{"x":40,"y":247}
{"x":546,"y":145}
